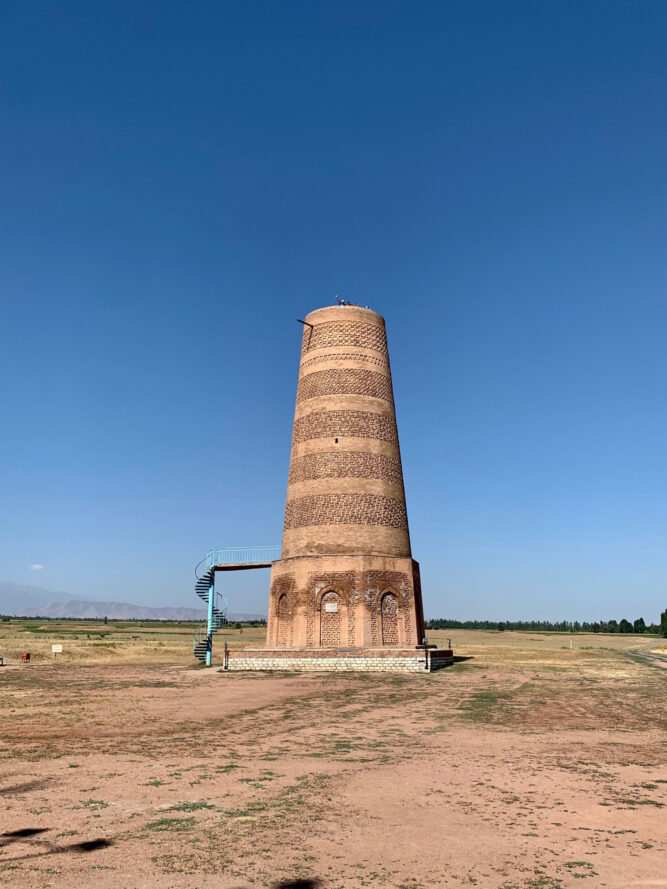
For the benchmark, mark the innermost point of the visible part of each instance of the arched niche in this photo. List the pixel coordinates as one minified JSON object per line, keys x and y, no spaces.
{"x":389,"y":620}
{"x":284,"y":621}
{"x":331,"y":620}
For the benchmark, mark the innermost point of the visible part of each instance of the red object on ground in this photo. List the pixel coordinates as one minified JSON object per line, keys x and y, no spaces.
{"x":25,"y":657}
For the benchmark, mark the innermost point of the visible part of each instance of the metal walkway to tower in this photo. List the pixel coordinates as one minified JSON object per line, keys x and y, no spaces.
{"x":236,"y":558}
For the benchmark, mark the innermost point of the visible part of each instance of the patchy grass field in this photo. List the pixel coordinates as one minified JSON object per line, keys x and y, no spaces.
{"x":527,"y":766}
{"x":89,"y":642}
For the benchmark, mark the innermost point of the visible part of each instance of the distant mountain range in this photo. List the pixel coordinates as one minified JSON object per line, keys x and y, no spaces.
{"x":19,"y":598}
{"x":28,"y":601}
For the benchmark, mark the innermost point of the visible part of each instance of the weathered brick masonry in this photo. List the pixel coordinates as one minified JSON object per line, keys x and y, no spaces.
{"x":345,"y":381}
{"x":344,"y":331}
{"x":345,"y":424}
{"x":345,"y":509}
{"x":346,"y":577}
{"x":346,"y":464}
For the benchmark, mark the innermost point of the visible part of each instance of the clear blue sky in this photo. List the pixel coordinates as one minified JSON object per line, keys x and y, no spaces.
{"x":179,"y":182}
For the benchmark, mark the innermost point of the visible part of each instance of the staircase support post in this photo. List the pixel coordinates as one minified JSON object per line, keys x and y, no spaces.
{"x":209,"y":639}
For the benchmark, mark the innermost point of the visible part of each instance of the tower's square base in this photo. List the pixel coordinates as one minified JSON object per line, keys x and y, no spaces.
{"x":340,"y":660}
{"x":345,"y":602}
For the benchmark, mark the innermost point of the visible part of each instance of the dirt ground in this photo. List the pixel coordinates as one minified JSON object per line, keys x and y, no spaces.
{"x":529,"y":765}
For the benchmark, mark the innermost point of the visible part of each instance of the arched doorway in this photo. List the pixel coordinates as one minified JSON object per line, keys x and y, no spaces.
{"x":389,"y":619}
{"x":330,"y":620}
{"x":283,"y":622}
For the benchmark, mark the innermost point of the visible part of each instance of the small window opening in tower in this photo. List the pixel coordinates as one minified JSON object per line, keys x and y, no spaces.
{"x":336,"y":440}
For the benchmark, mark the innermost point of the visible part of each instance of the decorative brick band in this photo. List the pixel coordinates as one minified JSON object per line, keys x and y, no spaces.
{"x":345,"y":464}
{"x":344,"y":333}
{"x":345,"y":509}
{"x":345,"y":381}
{"x":357,"y":424}
{"x":349,"y":356}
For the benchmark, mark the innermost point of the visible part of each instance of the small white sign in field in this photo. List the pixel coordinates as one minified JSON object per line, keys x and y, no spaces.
{"x":57,"y":649}
{"x":331,"y":606}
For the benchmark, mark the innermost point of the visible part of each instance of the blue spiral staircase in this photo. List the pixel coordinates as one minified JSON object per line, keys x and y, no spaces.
{"x":239,"y":558}
{"x":202,"y":642}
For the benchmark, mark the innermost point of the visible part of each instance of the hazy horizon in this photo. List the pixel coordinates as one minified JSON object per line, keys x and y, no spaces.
{"x":237,"y":606}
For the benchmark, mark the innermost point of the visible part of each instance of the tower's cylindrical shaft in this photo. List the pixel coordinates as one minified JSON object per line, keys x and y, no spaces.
{"x":345,"y":491}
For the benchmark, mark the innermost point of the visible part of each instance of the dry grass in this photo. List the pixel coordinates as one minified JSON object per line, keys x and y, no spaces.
{"x":149,"y":642}
{"x":92,"y":642}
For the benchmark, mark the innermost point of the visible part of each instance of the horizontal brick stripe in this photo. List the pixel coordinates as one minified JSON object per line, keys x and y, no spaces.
{"x":345,"y":464}
{"x":345,"y":509}
{"x":345,"y":381}
{"x":357,"y":357}
{"x":344,"y":333}
{"x":334,"y":424}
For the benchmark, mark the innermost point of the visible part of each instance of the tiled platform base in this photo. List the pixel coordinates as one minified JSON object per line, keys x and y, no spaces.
{"x":340,"y":660}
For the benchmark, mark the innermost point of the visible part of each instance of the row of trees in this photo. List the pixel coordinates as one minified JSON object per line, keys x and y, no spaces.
{"x":561,"y":626}
{"x":6,"y":618}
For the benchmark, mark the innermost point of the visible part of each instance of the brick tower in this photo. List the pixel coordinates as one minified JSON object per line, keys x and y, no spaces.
{"x":346,"y":577}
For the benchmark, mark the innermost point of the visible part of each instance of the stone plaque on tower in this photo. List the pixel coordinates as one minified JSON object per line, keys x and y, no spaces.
{"x":346,"y":577}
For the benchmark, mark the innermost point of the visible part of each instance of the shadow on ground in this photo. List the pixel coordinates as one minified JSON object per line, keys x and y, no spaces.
{"x":38,"y":784}
{"x":306,"y":883}
{"x":33,"y":835}
{"x":313,"y":883}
